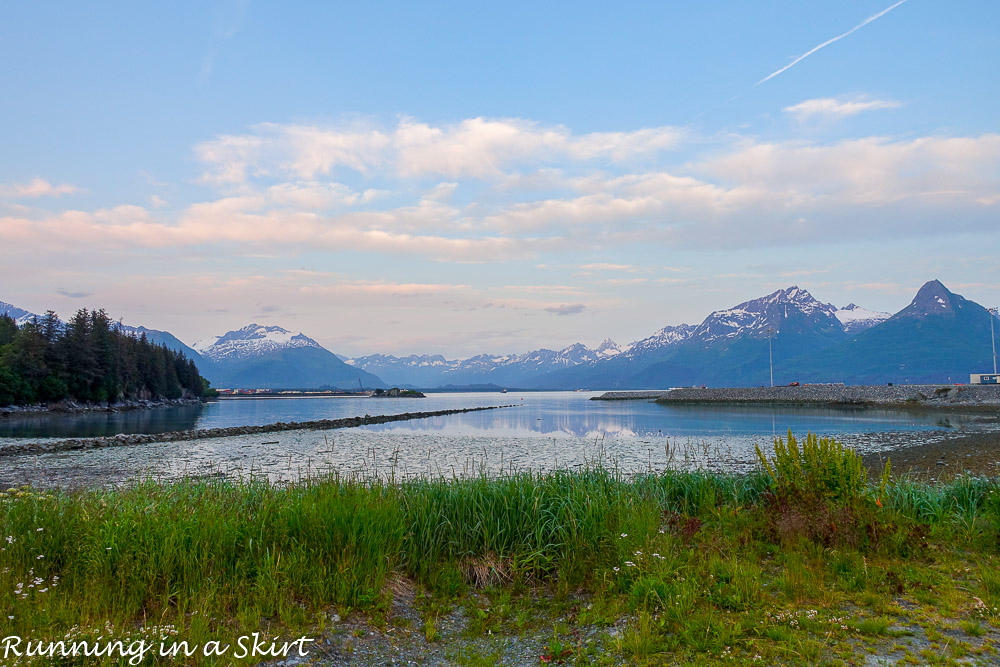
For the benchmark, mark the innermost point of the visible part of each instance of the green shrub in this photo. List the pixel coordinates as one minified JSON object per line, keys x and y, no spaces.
{"x":821,"y":467}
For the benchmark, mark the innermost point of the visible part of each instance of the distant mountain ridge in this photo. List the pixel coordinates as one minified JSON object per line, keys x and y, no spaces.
{"x":509,"y":369}
{"x":808,"y":340}
{"x":940,"y":337}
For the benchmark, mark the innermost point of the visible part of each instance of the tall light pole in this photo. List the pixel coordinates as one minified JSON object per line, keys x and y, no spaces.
{"x":770,"y":356}
{"x":993,"y":316}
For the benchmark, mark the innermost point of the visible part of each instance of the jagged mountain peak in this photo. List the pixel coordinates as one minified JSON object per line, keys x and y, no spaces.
{"x":608,"y":348}
{"x":757,"y":316}
{"x":793,"y":294}
{"x":252,"y":340}
{"x":932,"y":299}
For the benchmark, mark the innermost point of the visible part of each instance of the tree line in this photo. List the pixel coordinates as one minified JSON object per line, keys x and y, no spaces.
{"x":89,"y":358}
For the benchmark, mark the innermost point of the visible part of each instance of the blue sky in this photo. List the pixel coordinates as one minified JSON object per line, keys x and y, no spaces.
{"x":398,"y":178}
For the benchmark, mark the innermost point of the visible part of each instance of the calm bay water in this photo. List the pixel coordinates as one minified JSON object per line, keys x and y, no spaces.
{"x":542,"y":431}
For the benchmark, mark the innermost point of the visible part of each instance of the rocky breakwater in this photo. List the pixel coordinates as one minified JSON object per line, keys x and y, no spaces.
{"x":635,"y":395}
{"x":985,"y":397}
{"x":196,"y":434}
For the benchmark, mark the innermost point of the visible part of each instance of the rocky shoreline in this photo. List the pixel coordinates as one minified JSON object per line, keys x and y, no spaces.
{"x":937,"y":397}
{"x":74,"y":408}
{"x":140,"y":438}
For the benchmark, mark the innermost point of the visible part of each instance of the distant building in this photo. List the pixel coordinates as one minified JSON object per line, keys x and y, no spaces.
{"x":984,"y":378}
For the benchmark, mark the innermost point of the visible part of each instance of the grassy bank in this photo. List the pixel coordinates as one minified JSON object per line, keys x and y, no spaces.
{"x":804,"y":561}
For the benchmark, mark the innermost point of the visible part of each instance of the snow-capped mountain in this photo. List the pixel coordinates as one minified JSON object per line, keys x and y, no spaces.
{"x":661,"y":340}
{"x":939,"y":337}
{"x":252,"y":340}
{"x":798,"y":323}
{"x":608,"y":349}
{"x":855,"y":318}
{"x":20,"y":315}
{"x":276,"y":358}
{"x":506,"y":369}
{"x":773,"y":312}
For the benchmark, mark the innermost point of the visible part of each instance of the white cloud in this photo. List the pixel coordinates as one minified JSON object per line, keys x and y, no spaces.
{"x":36,"y":188}
{"x":838,"y":108}
{"x":607,"y":266}
{"x":478,"y":148}
{"x":872,"y":171}
{"x":745,"y":193}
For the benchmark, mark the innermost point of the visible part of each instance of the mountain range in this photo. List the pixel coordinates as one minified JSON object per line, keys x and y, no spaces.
{"x":939,"y":337}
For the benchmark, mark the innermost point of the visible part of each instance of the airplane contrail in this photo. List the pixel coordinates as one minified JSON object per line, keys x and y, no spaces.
{"x":828,"y":43}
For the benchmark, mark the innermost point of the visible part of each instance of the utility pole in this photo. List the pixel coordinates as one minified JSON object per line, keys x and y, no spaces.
{"x":770,"y":356}
{"x":993,"y":337}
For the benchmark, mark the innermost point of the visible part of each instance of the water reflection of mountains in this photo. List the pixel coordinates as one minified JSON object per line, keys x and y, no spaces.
{"x":96,"y":424}
{"x":546,"y":415}
{"x":646,"y":420}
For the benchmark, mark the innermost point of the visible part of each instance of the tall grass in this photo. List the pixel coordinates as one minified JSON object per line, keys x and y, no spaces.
{"x":229,"y":555}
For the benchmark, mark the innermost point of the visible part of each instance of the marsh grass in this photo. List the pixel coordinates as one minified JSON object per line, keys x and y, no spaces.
{"x":693,"y":558}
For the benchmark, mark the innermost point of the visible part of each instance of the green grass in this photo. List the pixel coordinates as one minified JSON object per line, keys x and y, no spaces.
{"x":706,"y":566}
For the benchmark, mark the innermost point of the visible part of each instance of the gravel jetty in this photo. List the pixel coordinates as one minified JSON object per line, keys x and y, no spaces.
{"x":195,"y":434}
{"x":922,"y":396}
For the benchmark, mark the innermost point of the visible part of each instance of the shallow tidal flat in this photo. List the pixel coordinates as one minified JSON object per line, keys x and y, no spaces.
{"x":545,"y":433}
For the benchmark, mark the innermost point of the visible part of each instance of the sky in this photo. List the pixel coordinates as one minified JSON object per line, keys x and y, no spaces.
{"x":460,"y":178}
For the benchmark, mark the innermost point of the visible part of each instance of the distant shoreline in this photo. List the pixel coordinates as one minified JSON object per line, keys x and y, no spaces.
{"x":68,"y":407}
{"x":978,"y":398}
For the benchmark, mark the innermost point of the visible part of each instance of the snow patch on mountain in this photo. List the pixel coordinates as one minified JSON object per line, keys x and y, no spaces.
{"x":608,"y":349}
{"x":20,"y":315}
{"x":205,"y":343}
{"x":251,"y":341}
{"x":855,"y":318}
{"x":755,"y":317}
{"x":664,"y":338}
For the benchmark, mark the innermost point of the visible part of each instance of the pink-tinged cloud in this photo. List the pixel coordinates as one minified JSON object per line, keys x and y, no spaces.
{"x":35,"y":188}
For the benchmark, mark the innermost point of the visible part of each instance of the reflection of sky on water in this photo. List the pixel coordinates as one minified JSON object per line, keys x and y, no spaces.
{"x":558,"y":416}
{"x":553,"y":414}
{"x":543,"y":432}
